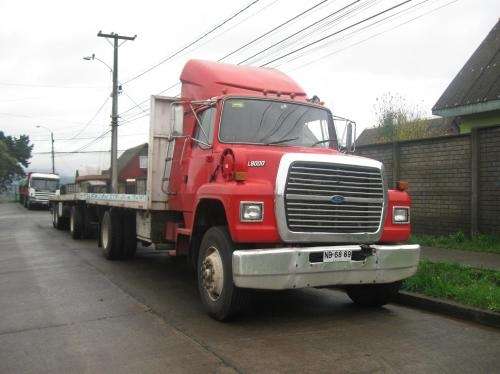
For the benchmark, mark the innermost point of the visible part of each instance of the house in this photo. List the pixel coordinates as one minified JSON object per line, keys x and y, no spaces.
{"x":474,"y":94}
{"x":132,"y":166}
{"x":427,"y":128}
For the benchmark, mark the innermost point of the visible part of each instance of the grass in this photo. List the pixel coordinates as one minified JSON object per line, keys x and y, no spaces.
{"x":478,"y":243}
{"x":475,"y":287}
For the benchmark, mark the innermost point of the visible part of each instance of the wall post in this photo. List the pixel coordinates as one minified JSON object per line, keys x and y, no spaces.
{"x":474,"y":208}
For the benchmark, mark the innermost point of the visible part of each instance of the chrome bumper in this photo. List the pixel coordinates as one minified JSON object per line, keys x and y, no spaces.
{"x":285,"y":268}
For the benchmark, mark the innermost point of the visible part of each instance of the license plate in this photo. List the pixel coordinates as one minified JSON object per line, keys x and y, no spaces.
{"x":335,"y":255}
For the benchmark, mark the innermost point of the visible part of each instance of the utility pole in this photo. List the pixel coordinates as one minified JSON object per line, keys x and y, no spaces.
{"x":52,"y":140}
{"x":114,"y":110}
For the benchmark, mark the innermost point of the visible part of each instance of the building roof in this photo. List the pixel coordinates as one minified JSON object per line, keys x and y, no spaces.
{"x":202,"y":80}
{"x":127,"y":156}
{"x":476,"y":88}
{"x":429,"y":128}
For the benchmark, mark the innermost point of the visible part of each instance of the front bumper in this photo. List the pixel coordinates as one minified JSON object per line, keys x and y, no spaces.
{"x":285,"y":268}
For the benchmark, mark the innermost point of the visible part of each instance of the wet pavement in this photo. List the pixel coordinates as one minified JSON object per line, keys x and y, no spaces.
{"x":64,"y":308}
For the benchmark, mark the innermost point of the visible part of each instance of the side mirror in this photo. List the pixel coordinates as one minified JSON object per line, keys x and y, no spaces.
{"x":350,"y":141}
{"x":177,"y":120}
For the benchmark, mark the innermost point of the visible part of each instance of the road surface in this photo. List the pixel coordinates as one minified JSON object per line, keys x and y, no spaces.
{"x":64,"y":308}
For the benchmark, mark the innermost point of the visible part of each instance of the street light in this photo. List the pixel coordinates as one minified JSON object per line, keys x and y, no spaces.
{"x":114,"y":110}
{"x":52,"y":140}
{"x":92,"y":57}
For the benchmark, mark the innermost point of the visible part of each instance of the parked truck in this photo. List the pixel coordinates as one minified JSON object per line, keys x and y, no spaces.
{"x":247,"y":179}
{"x":37,"y":188}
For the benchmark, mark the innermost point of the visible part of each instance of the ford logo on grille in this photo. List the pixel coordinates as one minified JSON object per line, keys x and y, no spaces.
{"x":337,"y":199}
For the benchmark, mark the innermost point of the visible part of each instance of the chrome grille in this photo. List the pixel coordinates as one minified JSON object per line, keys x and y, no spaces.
{"x":310,"y":187}
{"x":44,"y":195}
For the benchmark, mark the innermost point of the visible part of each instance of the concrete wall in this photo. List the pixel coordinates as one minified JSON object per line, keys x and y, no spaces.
{"x":439,"y":171}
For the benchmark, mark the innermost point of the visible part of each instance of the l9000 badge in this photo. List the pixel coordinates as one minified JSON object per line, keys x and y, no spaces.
{"x":256,"y":164}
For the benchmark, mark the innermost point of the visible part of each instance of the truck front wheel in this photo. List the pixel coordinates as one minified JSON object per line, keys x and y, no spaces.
{"x":221,"y":298}
{"x":373,"y":295}
{"x":111,"y":235}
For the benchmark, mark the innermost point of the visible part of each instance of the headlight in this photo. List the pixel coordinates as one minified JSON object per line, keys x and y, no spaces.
{"x":401,"y":214}
{"x":251,"y":211}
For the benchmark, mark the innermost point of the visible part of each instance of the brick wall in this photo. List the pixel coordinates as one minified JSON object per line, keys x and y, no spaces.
{"x":439,"y":173}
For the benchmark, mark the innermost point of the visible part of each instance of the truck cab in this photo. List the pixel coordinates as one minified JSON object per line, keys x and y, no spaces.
{"x":270,"y":199}
{"x":38,"y":188}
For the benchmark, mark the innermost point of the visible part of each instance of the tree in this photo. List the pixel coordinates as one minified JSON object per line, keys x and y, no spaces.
{"x":397,"y":119}
{"x":14,"y":153}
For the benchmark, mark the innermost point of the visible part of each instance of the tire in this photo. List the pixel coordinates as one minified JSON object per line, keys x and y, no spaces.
{"x":111,"y":235}
{"x":373,"y":295}
{"x":57,"y":222}
{"x":76,"y":223}
{"x":220,"y":297}
{"x":29,"y":206}
{"x":129,"y":235}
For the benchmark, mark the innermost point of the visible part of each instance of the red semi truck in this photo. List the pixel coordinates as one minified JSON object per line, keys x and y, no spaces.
{"x":246,"y":177}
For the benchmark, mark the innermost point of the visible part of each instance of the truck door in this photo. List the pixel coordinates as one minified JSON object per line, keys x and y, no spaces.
{"x":199,"y":166}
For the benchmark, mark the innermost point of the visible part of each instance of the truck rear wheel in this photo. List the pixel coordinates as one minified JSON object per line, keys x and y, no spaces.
{"x":76,"y":223}
{"x":221,"y":298}
{"x":373,"y":295}
{"x":111,"y":234}
{"x":58,"y":222}
{"x":129,"y":235}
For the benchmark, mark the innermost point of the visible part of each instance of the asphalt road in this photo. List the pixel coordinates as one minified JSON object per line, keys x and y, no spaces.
{"x":64,"y":308}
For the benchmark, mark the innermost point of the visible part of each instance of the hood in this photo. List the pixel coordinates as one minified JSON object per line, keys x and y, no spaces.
{"x":262,"y":162}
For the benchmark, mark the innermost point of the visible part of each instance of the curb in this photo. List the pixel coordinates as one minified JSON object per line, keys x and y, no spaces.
{"x":449,"y":308}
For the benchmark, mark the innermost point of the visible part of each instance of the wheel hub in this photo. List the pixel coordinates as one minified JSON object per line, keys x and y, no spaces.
{"x":212,"y":273}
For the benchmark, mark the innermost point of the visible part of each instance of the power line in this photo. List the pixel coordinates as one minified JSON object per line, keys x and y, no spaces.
{"x":235,"y":51}
{"x":100,"y":137}
{"x":353,"y":33}
{"x":10,"y":84}
{"x":272,"y":30}
{"x":92,"y":119}
{"x":146,"y":100}
{"x":322,"y":28}
{"x":86,"y":138}
{"x":193,"y":42}
{"x":299,"y":31}
{"x":74,"y":152}
{"x":335,"y":33}
{"x":230,"y":54}
{"x":374,"y":35}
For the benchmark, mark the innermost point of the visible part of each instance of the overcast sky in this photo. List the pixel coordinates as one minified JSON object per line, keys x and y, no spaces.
{"x":44,"y":80}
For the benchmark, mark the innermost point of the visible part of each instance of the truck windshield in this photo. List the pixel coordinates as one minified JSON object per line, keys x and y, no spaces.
{"x":276,"y":122}
{"x":45,"y":184}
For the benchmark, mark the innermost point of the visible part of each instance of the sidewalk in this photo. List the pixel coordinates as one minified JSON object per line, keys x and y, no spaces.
{"x":474,"y":259}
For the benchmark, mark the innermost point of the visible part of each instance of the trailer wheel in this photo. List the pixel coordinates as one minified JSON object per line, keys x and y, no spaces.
{"x":111,"y":235}
{"x":129,"y":235}
{"x":76,"y":223}
{"x":221,"y":298}
{"x":58,"y":222}
{"x":373,"y":295}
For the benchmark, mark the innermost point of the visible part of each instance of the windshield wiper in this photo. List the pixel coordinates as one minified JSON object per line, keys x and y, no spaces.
{"x":282,"y":141}
{"x":322,"y":141}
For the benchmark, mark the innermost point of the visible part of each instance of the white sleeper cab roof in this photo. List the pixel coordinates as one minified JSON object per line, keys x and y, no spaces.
{"x":44,"y":176}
